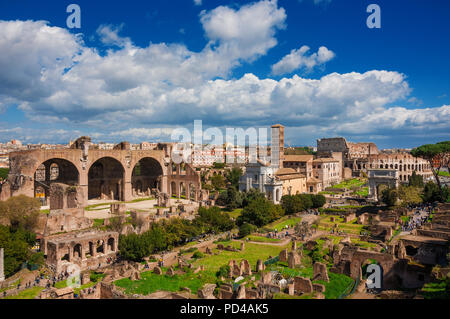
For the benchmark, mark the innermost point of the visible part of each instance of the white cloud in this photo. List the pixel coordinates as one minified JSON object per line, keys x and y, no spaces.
{"x":109,"y":35}
{"x":56,"y":78}
{"x":198,"y":2}
{"x":298,"y":59}
{"x":246,"y":33}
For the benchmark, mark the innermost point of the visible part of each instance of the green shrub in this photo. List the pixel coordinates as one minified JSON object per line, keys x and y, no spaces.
{"x":223,"y":271}
{"x":198,"y":254}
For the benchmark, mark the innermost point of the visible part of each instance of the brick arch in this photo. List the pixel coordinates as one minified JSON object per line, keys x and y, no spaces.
{"x":68,"y":173}
{"x":147,"y":172}
{"x":60,"y":162}
{"x":155,"y":155}
{"x":386,"y":261}
{"x":106,"y":178}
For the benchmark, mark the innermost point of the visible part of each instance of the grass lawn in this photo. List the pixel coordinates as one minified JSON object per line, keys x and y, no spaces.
{"x":337,"y":285}
{"x":151,"y":282}
{"x":98,"y":222}
{"x":27,"y":293}
{"x":350,"y":228}
{"x":281,"y":223}
{"x":350,"y":183}
{"x":190,"y":244}
{"x":364,"y":191}
{"x":262,"y":239}
{"x":252,"y":253}
{"x":435,"y":291}
{"x":444,"y":173}
{"x":233,"y":214}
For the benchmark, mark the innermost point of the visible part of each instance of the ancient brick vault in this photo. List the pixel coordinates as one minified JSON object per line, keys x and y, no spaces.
{"x":118,"y":174}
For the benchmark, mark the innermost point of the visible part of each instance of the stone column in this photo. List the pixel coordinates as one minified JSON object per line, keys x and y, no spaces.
{"x":83,"y":251}
{"x":164,"y":186}
{"x":2,"y":274}
{"x":126,"y":185}
{"x":84,"y":186}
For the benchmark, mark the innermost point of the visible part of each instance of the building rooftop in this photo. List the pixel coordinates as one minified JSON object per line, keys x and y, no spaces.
{"x":298,"y":158}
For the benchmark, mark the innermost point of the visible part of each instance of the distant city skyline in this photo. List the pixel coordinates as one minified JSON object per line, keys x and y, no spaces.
{"x":136,"y":70}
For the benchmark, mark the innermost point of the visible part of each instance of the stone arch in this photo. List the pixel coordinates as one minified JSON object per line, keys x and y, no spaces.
{"x":100,"y":247}
{"x":77,"y":251}
{"x":386,"y":262}
{"x":173,"y":189}
{"x":66,"y":256}
{"x":411,"y":250}
{"x":277,"y":195}
{"x":106,"y":179}
{"x":192,"y":191}
{"x":182,"y":189}
{"x":54,"y":170}
{"x":111,"y":244}
{"x":91,"y":249}
{"x":147,"y":174}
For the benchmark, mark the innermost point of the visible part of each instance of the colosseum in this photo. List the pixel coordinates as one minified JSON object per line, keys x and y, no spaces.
{"x":360,"y":157}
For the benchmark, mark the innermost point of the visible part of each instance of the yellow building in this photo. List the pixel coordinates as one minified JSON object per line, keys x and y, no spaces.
{"x":293,"y":182}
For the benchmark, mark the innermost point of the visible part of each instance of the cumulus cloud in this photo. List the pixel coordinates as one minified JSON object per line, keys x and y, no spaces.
{"x":298,"y":59}
{"x":246,"y":33}
{"x":109,"y":35}
{"x":55,"y":77}
{"x":198,"y":2}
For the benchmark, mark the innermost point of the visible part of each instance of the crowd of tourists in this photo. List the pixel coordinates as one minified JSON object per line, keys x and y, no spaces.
{"x":421,"y":215}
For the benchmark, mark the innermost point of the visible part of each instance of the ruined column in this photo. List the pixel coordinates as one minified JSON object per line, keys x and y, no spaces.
{"x":83,"y":251}
{"x":84,"y":186}
{"x":2,"y":274}
{"x":164,"y":186}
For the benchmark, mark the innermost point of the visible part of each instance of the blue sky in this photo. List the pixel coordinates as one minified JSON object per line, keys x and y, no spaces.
{"x":137,"y":69}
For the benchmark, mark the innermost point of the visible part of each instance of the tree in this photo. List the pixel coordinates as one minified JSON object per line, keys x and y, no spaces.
{"x":218,"y":165}
{"x":16,"y":243}
{"x":233,"y":199}
{"x":4,"y":173}
{"x":389,"y":196}
{"x":416,"y":180}
{"x":251,"y":195}
{"x":318,"y":200}
{"x":233,"y":177}
{"x":292,"y":204}
{"x":132,"y":247}
{"x":431,"y":193}
{"x":218,"y":181}
{"x":438,"y":154}
{"x":21,"y":212}
{"x":307,"y":201}
{"x":260,"y":212}
{"x":214,"y":220}
{"x":246,"y":229}
{"x":410,"y":194}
